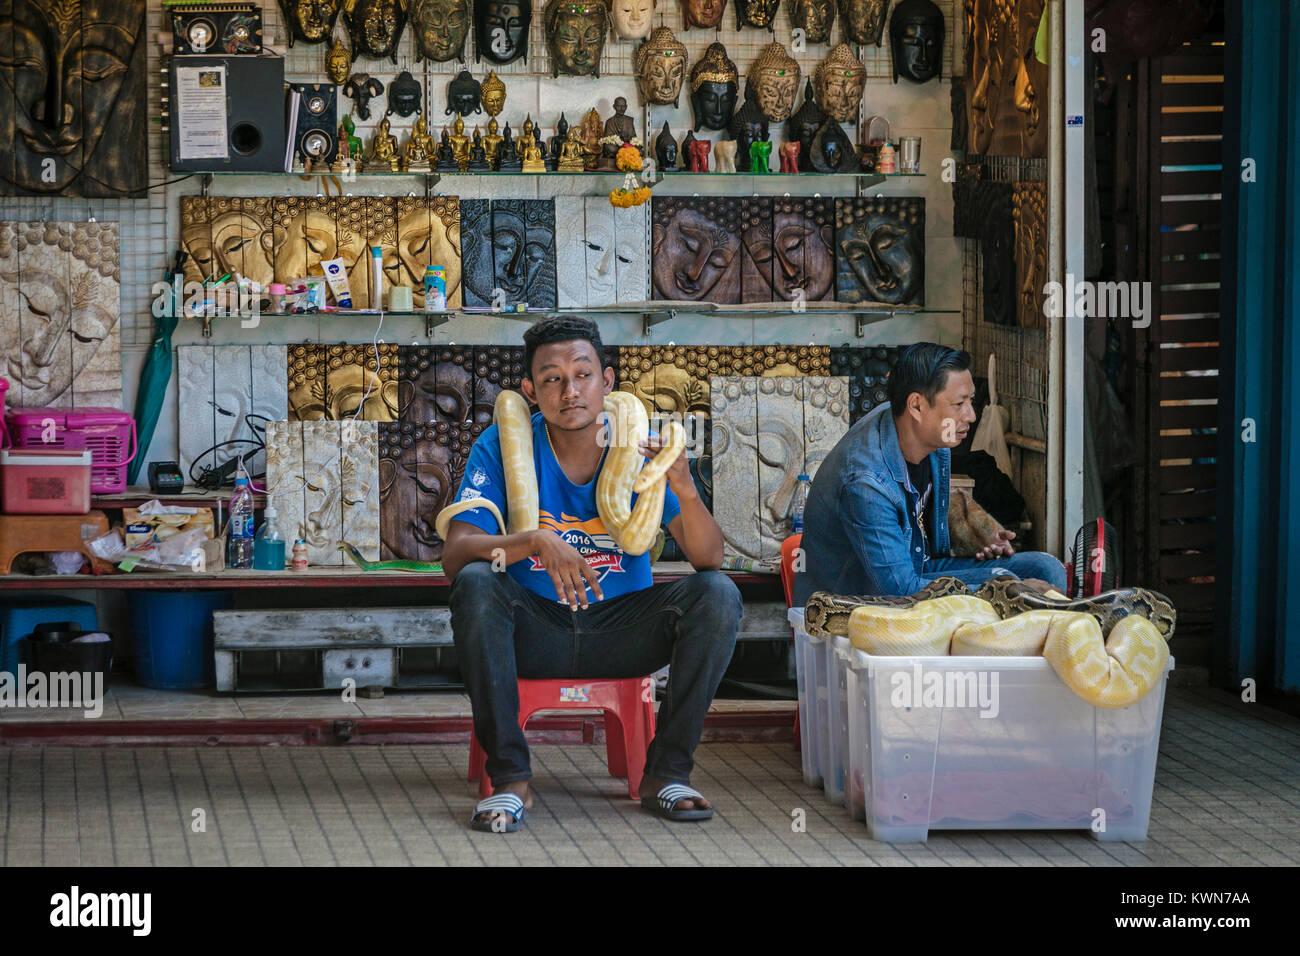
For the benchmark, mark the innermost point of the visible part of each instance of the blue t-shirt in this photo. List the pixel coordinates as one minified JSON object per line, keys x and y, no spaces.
{"x":565,"y":508}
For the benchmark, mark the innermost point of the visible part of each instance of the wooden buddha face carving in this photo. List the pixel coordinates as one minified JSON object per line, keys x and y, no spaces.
{"x":696,"y":249}
{"x":803,"y":257}
{"x":706,"y":14}
{"x":814,"y":17}
{"x":916,"y":40}
{"x":501,"y":29}
{"x":863,"y":21}
{"x":756,"y":13}
{"x":575,"y":35}
{"x":713,"y":88}
{"x":774,"y":79}
{"x":375,"y":27}
{"x":632,"y":19}
{"x":523,"y":250}
{"x":881,"y":250}
{"x":441,"y":27}
{"x":74,"y":73}
{"x":661,"y":67}
{"x":310,"y":21}
{"x":838,"y":81}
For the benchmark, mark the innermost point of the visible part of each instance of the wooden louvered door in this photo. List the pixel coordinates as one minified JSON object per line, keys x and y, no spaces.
{"x":1181,"y":100}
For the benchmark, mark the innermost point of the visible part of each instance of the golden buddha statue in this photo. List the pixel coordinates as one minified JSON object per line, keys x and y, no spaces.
{"x":492,"y":142}
{"x":573,"y":158}
{"x":460,"y":143}
{"x":532,"y":156}
{"x":415,"y":157}
{"x":591,"y":130}
{"x":384,"y":148}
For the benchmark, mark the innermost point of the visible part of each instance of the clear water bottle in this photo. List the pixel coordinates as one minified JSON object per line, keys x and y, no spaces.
{"x":239,"y":543}
{"x":798,"y":502}
{"x":268,"y":546}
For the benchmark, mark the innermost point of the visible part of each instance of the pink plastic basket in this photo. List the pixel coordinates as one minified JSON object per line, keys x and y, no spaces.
{"x":107,"y":432}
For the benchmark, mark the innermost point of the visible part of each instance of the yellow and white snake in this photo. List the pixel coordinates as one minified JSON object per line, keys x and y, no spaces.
{"x":1110,"y":649}
{"x":624,"y":472}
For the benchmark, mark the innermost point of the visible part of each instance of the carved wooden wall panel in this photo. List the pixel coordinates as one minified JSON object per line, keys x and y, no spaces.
{"x":306,"y":382}
{"x":880,"y":250}
{"x":357,"y":378}
{"x":354,"y":231}
{"x":1029,"y":207}
{"x":631,"y":253}
{"x":571,"y":252}
{"x":284,"y":476}
{"x":476,"y":252}
{"x":359,"y":484}
{"x":734,"y":420}
{"x":196,"y":423}
{"x":825,"y":418}
{"x":495,"y":367}
{"x":756,"y":251}
{"x":600,"y":269}
{"x":305,"y":235}
{"x":778,"y":453}
{"x":695,"y":248}
{"x":323,"y":498}
{"x":803,"y":249}
{"x":1006,"y":85}
{"x":420,"y":468}
{"x":867,"y":371}
{"x":240,"y":239}
{"x":72,"y":109}
{"x":998,"y":254}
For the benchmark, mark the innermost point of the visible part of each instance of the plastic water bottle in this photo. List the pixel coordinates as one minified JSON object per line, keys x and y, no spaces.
{"x":239,"y":544}
{"x":268,"y":546}
{"x":797,"y":504}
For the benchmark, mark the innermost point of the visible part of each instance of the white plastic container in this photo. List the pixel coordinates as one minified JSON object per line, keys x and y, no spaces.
{"x":812,"y":680}
{"x":838,"y":651}
{"x":985,"y":743}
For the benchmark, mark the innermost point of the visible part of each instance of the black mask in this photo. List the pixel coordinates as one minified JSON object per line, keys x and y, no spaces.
{"x":748,"y":125}
{"x":404,"y":95}
{"x":361,"y":87}
{"x":464,"y":95}
{"x":501,"y":29}
{"x":831,"y":149}
{"x":916,"y":40}
{"x":713,"y":104}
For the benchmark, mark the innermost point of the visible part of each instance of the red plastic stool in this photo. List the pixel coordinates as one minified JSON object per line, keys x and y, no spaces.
{"x":629,"y":721}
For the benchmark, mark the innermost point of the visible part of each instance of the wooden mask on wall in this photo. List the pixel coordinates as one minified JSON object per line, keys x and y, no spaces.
{"x":756,"y":13}
{"x":661,"y":67}
{"x":72,"y":111}
{"x":310,"y":21}
{"x":863,"y":21}
{"x":575,"y":35}
{"x":441,"y":28}
{"x":695,"y":248}
{"x":375,"y":27}
{"x":705,"y":14}
{"x":880,"y":250}
{"x":814,"y":17}
{"x":501,"y":29}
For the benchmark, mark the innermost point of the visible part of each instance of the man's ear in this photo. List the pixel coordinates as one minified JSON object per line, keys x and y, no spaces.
{"x":608,"y":375}
{"x":526,"y":387}
{"x":914,"y":405}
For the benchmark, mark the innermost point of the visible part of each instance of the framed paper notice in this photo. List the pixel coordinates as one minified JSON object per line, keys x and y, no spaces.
{"x":200,"y":121}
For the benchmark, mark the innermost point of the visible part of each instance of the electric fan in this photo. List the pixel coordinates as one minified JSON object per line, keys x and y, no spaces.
{"x":1096,"y":560}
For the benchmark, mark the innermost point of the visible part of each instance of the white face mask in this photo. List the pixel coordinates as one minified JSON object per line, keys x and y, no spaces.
{"x":632,"y":18}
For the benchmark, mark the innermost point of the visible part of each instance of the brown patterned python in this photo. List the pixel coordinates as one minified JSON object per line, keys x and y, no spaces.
{"x":1110,"y":649}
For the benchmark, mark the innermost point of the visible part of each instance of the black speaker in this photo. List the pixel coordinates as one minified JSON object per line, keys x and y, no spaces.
{"x":252,"y":111}
{"x":216,"y":28}
{"x":315,"y":135}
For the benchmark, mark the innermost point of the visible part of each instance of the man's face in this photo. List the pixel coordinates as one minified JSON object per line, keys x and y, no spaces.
{"x":567,"y":383}
{"x":944,"y":422}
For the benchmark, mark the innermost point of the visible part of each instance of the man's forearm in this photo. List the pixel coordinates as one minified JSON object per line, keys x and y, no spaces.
{"x":698,"y":535}
{"x":474,"y":545}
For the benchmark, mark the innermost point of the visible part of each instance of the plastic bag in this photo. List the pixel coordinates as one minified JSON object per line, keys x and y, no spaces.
{"x":991,"y":436}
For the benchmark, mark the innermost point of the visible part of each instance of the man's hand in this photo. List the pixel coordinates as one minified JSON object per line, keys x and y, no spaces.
{"x":1000,"y":546}
{"x":679,"y":473}
{"x":569,"y":570}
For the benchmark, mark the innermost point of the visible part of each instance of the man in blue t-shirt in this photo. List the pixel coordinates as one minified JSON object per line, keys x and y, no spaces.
{"x":572,"y":604}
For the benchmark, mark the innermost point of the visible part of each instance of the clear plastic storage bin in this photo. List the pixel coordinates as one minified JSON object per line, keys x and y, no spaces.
{"x":812,"y":680}
{"x":837,"y":651}
{"x":983,"y":743}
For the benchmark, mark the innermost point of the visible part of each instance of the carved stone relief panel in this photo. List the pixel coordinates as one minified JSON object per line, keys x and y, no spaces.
{"x":476,"y":252}
{"x":695,"y":249}
{"x":571,"y":252}
{"x":880,"y":250}
{"x":600,"y":268}
{"x":631,"y":254}
{"x":1029,"y":206}
{"x":734,"y":422}
{"x":284,"y":475}
{"x":323,"y":498}
{"x":359,"y":487}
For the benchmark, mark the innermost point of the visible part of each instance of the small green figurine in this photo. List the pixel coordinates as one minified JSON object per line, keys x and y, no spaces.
{"x":350,"y":147}
{"x":759,"y":155}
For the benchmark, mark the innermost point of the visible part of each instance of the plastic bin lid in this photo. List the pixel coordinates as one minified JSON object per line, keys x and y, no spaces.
{"x":45,"y":457}
{"x":69,"y":417}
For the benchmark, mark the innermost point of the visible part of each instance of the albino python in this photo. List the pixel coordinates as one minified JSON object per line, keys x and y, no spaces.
{"x":623,"y":472}
{"x":1109,"y":649}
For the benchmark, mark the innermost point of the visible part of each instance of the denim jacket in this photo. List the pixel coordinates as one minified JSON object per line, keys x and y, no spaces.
{"x":861,"y":534}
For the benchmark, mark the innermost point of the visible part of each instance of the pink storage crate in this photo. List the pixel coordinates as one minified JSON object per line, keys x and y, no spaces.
{"x":108,"y":433}
{"x":46,"y":481}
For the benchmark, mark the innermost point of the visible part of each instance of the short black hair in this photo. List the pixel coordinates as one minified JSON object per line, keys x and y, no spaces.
{"x":561,"y":328}
{"x":923,"y":368}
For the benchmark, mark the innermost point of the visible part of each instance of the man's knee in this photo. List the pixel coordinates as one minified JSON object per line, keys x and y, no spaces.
{"x":1040,"y":565}
{"x":715,"y":593}
{"x":475,"y":583}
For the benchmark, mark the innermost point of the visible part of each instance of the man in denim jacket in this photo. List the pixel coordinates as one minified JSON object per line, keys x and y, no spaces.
{"x":876,"y":520}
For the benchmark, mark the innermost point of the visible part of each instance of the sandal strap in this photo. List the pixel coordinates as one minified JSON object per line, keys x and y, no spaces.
{"x":671,"y":794}
{"x":510,"y":803}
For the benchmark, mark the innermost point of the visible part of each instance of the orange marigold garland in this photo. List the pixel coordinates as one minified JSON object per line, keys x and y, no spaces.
{"x":629,"y":161}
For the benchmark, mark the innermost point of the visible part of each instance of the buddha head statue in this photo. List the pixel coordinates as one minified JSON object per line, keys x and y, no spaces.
{"x":661,"y":67}
{"x":338,"y":63}
{"x":814,"y":17}
{"x":575,"y":35}
{"x":375,"y":27}
{"x":756,"y":13}
{"x":838,"y":81}
{"x":916,"y":40}
{"x":501,"y":29}
{"x":494,"y":94}
{"x":441,"y":27}
{"x":713,"y":88}
{"x":632,"y":19}
{"x":464,"y":95}
{"x":310,"y":21}
{"x":774,"y":79}
{"x":863,"y":21}
{"x":706,"y":14}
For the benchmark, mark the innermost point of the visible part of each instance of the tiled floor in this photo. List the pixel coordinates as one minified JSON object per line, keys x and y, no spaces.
{"x":1227,"y":791}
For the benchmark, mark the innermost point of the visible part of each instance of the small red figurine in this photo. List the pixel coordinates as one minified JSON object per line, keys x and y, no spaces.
{"x":790,"y":156}
{"x":700,"y":155}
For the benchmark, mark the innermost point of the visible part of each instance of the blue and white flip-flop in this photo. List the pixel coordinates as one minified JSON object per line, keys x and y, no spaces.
{"x":671,"y":794}
{"x":510,"y":803}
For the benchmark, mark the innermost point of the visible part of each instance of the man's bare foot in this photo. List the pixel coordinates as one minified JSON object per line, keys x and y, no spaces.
{"x":520,"y":788}
{"x":650,"y":787}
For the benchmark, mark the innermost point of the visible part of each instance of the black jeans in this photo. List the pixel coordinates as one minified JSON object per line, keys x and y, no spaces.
{"x":503,"y":632}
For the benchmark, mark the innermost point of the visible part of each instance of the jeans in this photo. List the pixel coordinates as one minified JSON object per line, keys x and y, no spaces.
{"x":504,"y":632}
{"x":1024,"y":564}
